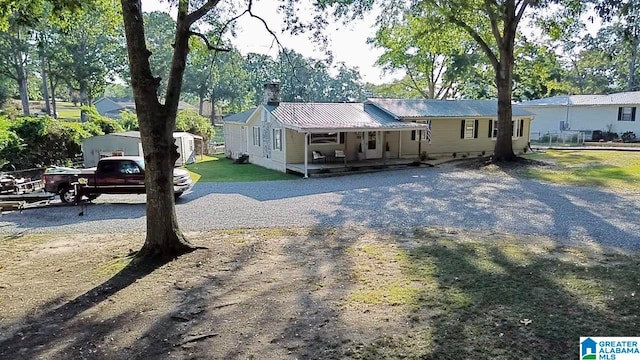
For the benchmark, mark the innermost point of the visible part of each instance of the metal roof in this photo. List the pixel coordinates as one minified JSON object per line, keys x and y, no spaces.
{"x":335,"y":116}
{"x":430,"y":108}
{"x":136,"y":134}
{"x":240,"y":118}
{"x":623,"y":98}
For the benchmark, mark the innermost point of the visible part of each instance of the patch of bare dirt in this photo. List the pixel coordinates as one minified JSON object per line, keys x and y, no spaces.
{"x":253,"y":294}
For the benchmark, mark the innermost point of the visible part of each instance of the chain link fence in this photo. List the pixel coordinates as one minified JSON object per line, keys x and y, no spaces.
{"x":560,"y":138}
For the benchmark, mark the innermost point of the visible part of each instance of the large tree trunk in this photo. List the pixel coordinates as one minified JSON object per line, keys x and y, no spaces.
{"x":503,"y":150}
{"x":157,"y":121}
{"x":24,"y":91}
{"x":631,"y":86}
{"x":503,"y":66}
{"x":45,"y":87}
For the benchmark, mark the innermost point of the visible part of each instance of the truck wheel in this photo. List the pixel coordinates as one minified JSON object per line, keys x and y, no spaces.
{"x":67,"y":195}
{"x":176,"y":196}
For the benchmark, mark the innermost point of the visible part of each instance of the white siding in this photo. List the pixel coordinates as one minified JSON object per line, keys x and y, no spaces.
{"x":582,"y":118}
{"x":93,"y":146}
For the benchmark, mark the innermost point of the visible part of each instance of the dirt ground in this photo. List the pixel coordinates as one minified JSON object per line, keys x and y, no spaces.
{"x":263,"y":294}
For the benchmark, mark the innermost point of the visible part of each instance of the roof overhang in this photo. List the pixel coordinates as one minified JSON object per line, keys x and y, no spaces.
{"x":409,"y":126}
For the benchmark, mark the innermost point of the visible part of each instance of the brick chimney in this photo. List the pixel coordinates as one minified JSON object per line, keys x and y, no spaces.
{"x":272,"y":94}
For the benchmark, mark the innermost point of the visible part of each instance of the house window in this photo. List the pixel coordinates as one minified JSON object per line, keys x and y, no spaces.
{"x":371,"y":140}
{"x":627,"y":113}
{"x":256,"y":136}
{"x":418,"y":135}
{"x":469,"y":129}
{"x":324,"y":138}
{"x":277,"y":139}
{"x":493,"y":129}
{"x":516,"y":128}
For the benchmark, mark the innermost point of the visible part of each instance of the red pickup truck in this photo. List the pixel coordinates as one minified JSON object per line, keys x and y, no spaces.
{"x":113,"y":175}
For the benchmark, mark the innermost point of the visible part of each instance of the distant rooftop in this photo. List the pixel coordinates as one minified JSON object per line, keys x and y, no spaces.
{"x":623,"y":98}
{"x":241,"y":118}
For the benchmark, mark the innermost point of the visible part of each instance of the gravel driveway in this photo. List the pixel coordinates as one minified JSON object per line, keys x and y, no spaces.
{"x":401,"y":200}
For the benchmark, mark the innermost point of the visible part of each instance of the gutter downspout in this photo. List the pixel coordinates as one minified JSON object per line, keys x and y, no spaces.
{"x":306,"y":155}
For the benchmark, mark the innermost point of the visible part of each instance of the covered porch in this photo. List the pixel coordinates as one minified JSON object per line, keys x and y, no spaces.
{"x":328,"y":168}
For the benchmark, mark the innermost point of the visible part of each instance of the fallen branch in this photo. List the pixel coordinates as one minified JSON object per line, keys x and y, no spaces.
{"x":195,"y":338}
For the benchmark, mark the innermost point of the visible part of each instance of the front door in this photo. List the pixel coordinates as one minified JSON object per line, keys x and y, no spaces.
{"x":373,"y":145}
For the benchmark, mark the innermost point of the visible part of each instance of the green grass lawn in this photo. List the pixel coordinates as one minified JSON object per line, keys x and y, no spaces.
{"x":221,"y":169}
{"x":68,"y":112}
{"x":618,"y":170}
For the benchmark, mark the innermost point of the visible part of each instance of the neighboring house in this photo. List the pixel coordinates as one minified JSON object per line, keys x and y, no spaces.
{"x":129,"y":144}
{"x":288,"y":136}
{"x":585,"y":113}
{"x":112,"y":107}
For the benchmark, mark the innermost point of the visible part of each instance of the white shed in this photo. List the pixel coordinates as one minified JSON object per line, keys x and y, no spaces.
{"x":129,"y":144}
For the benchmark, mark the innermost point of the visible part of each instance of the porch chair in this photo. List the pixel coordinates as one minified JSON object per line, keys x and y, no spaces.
{"x":317,"y":156}
{"x":340,"y":155}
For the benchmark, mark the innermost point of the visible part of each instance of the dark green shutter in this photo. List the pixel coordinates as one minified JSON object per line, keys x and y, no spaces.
{"x":462,"y":130}
{"x":619,"y":114}
{"x":342,"y":137}
{"x":521,"y":131}
{"x":475,"y":129}
{"x":490,"y":128}
{"x":413,"y":134}
{"x":633,"y":113}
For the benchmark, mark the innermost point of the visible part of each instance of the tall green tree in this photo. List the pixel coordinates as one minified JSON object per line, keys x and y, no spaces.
{"x":15,"y":47}
{"x":492,"y":24}
{"x":157,"y":119}
{"x":90,"y":50}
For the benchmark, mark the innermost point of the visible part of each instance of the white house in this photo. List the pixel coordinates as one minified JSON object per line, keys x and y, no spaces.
{"x":129,"y":144}
{"x":585,"y":113}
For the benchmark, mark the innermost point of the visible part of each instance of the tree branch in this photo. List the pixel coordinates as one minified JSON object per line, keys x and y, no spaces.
{"x":206,"y":41}
{"x":523,"y":6}
{"x":200,"y":12}
{"x":474,"y":34}
{"x":492,"y":18}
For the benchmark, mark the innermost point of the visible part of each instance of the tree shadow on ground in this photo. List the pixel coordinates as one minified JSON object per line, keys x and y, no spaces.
{"x":38,"y":333}
{"x":500,"y":301}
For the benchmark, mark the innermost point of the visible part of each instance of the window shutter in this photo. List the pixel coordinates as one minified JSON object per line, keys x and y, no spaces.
{"x":620,"y":114}
{"x":520,"y":131}
{"x":462,"y":130}
{"x":490,"y":128}
{"x":475,"y":129}
{"x":633,"y":113}
{"x":341,"y":137}
{"x":413,"y":134}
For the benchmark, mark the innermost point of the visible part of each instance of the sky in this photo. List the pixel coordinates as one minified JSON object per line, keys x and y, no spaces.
{"x":348,"y":42}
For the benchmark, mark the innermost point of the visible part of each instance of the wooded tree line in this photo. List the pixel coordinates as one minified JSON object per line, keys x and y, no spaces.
{"x":79,"y":57}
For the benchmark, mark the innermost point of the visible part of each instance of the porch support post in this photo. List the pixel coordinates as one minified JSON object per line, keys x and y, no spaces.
{"x":384,"y":148}
{"x":419,"y":144}
{"x":400,"y":144}
{"x":346,"y":146}
{"x":306,"y":154}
